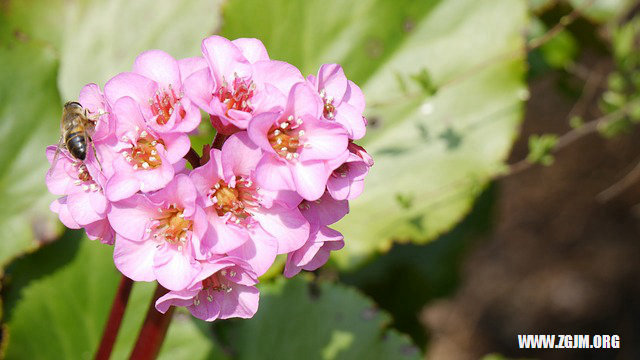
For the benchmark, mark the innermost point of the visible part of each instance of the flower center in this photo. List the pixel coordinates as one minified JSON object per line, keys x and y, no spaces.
{"x":329,"y":109}
{"x":235,"y":200}
{"x":341,"y":171}
{"x":84,"y":178}
{"x":217,"y":282}
{"x":163,"y":105}
{"x":285,"y":138}
{"x":171,"y":226}
{"x":144,"y":154}
{"x":237,"y":95}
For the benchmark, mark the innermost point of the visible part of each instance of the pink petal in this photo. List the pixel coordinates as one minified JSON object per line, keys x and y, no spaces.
{"x":331,"y":240}
{"x":199,"y":87}
{"x":259,"y":128}
{"x":252,"y":49}
{"x":121,"y":186}
{"x":57,"y":179}
{"x":191,"y":119}
{"x":221,"y":237}
{"x":175,"y":298}
{"x":354,"y":97}
{"x":287,"y":198}
{"x":288,"y":226}
{"x":310,"y":178}
{"x":259,"y":252}
{"x":324,"y":140}
{"x":279,"y":74}
{"x":81,"y":206}
{"x":177,"y":146}
{"x":324,"y":211}
{"x":129,"y":118}
{"x":190,"y":65}
{"x":242,"y":301}
{"x":207,"y":175}
{"x":155,"y":179}
{"x":303,"y":100}
{"x":160,"y":67}
{"x":331,"y":78}
{"x":101,"y":230}
{"x":131,"y":217}
{"x":136,"y":86}
{"x":59,"y":206}
{"x":134,"y":259}
{"x":351,"y":119}
{"x":239,"y":155}
{"x":273,"y":174}
{"x":173,"y":269}
{"x":205,"y":310}
{"x":224,"y":58}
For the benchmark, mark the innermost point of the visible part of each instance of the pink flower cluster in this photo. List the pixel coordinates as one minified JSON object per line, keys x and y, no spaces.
{"x":285,"y":173}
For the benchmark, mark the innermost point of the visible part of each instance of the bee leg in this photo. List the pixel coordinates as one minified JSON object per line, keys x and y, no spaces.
{"x":55,"y":157}
{"x":95,"y":153}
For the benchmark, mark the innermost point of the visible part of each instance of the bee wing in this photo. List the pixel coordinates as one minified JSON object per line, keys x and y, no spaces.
{"x":55,"y":157}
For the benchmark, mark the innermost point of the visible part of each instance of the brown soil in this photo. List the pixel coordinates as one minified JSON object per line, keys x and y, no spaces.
{"x":558,"y":261}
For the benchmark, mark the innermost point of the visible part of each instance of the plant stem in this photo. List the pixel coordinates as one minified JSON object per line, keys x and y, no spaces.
{"x":193,"y":158}
{"x":218,"y":141}
{"x":153,"y":330}
{"x":115,"y":319}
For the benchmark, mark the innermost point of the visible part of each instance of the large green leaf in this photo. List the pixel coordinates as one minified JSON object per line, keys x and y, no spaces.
{"x":56,"y":303}
{"x":46,"y":45}
{"x":433,"y":153}
{"x":102,"y":38}
{"x":297,"y":321}
{"x":29,"y":112}
{"x":603,"y":10}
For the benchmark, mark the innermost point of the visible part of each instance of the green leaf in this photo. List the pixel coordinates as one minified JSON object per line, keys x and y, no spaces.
{"x":330,"y":322}
{"x":540,"y":148}
{"x":102,"y":38}
{"x":602,"y":10}
{"x":29,"y":113}
{"x":46,"y":45}
{"x":440,"y":150}
{"x":561,"y":50}
{"x":69,"y":286}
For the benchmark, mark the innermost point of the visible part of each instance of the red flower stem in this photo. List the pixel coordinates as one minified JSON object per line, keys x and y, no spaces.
{"x":193,"y":158}
{"x":115,"y":319}
{"x":219,"y":140}
{"x":153,"y":330}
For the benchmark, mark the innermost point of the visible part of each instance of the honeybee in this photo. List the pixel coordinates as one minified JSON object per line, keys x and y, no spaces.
{"x":75,"y":127}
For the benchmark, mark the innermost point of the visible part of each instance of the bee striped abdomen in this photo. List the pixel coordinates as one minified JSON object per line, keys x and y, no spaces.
{"x":76,"y":143}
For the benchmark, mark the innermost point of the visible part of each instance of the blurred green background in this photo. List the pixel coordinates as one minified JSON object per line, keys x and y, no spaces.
{"x":446,"y":82}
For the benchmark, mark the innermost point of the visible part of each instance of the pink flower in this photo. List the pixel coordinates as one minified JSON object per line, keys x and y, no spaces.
{"x":156,"y":86}
{"x":322,"y":240}
{"x":315,"y":251}
{"x":324,"y":211}
{"x":158,"y":235}
{"x":243,"y":223}
{"x":83,"y":203}
{"x":347,"y":181}
{"x":343,"y":101}
{"x":223,"y":289}
{"x":298,"y":147}
{"x":241,"y":82}
{"x":146,"y":158}
{"x":99,"y":111}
